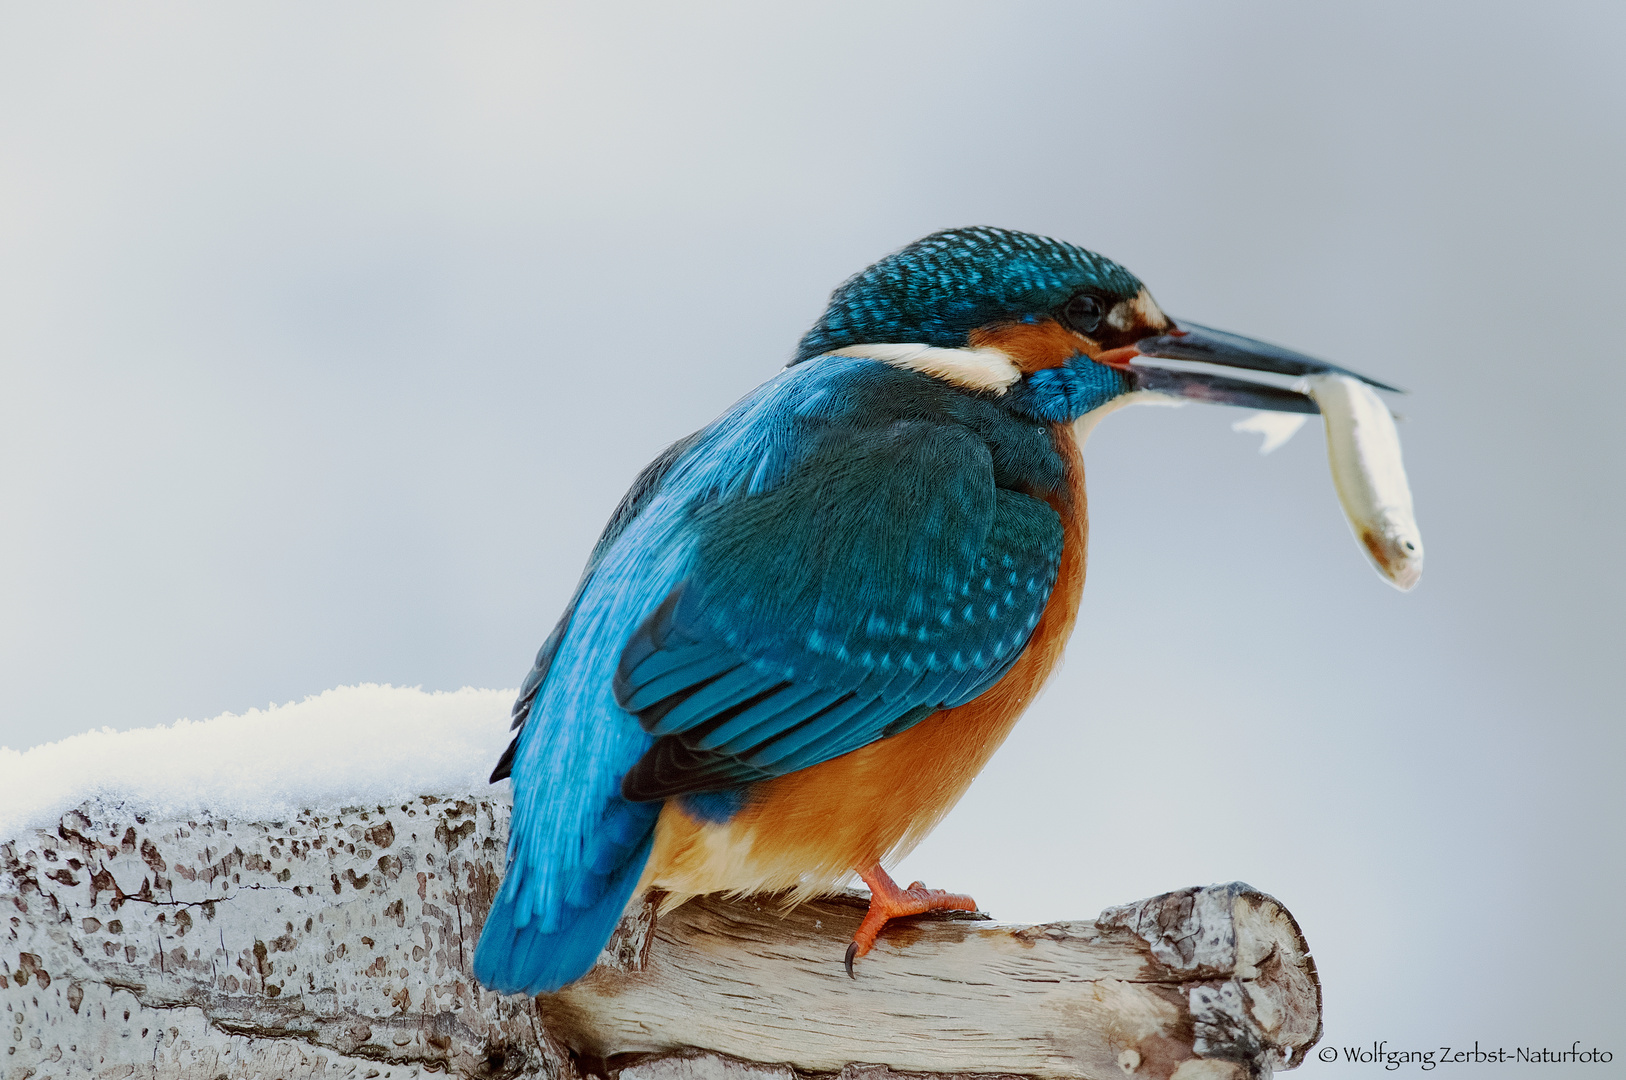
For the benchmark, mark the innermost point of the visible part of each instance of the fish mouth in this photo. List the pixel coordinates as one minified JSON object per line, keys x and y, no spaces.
{"x":1401,"y":568}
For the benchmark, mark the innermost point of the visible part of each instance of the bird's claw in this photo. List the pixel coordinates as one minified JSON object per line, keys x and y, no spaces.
{"x":888,"y":902}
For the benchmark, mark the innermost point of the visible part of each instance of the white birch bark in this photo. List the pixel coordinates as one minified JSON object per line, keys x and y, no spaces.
{"x":338,"y":944}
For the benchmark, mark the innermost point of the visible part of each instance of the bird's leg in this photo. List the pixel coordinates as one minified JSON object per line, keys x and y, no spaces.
{"x":887,"y":901}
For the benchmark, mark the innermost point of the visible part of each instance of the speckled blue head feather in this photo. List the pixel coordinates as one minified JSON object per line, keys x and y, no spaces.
{"x":940,"y":288}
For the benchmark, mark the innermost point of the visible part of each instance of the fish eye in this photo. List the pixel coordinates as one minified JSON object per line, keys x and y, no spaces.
{"x":1082,"y":313}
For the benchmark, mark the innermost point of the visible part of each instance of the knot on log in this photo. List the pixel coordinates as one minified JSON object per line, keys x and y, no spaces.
{"x":339,"y":944}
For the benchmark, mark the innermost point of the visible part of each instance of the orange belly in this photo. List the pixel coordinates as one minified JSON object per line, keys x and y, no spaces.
{"x":808,"y":830}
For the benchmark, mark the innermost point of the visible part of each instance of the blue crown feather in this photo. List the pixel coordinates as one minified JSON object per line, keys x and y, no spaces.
{"x":940,"y":288}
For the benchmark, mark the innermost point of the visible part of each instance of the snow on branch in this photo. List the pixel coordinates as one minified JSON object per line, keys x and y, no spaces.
{"x":348,"y":746}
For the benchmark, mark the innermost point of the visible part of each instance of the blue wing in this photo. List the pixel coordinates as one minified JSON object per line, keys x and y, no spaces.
{"x":632,"y":504}
{"x":885,"y":578}
{"x":838,"y":556}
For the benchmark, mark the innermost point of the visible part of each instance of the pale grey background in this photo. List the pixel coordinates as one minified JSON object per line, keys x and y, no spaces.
{"x":328,"y":340}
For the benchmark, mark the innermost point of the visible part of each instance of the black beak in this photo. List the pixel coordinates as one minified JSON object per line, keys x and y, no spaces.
{"x":1191,"y":342}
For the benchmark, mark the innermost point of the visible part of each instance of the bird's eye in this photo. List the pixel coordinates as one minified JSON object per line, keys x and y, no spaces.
{"x":1082,"y":313}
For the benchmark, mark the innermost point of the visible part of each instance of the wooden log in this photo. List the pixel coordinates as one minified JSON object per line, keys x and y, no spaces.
{"x":339,"y":943}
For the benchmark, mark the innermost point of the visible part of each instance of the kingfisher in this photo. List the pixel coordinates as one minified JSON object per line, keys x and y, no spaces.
{"x":809,"y":625}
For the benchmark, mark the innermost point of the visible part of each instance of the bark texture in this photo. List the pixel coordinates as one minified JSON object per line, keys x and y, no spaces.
{"x":338,"y":944}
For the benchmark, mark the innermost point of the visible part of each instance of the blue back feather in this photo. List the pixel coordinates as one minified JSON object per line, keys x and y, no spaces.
{"x":881,"y":572}
{"x":576,"y":846}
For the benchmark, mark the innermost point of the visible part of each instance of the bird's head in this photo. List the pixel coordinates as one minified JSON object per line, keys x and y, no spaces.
{"x":1053,"y":331}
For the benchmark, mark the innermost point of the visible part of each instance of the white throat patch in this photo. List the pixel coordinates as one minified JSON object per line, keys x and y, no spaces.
{"x":1086,"y":423}
{"x":974,"y":369}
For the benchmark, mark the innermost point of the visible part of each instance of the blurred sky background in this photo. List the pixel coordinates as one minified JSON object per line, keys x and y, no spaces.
{"x":330,"y":335}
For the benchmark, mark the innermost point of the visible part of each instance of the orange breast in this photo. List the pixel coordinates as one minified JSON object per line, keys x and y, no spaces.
{"x":807,"y":830}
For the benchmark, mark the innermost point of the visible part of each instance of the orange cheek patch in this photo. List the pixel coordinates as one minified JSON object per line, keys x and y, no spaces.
{"x":1033,"y":346}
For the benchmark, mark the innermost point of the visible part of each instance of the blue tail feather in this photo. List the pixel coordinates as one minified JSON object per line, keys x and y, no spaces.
{"x":513,"y":958}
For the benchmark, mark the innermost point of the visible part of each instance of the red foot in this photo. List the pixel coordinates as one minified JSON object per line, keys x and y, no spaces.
{"x":888,"y":902}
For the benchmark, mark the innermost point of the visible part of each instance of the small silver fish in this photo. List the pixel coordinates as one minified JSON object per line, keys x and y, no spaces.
{"x":1364,"y":451}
